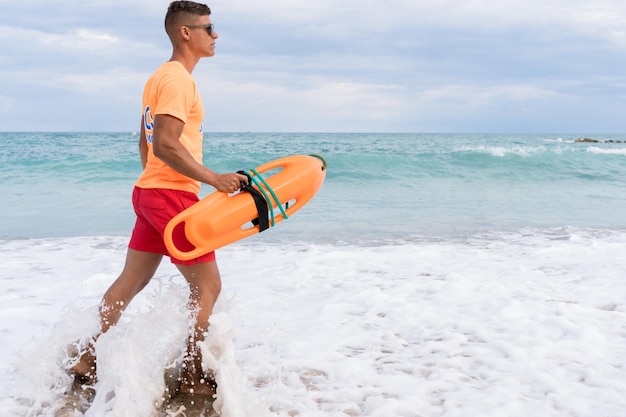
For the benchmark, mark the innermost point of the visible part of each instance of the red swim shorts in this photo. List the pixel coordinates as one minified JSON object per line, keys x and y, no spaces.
{"x":154,"y":209}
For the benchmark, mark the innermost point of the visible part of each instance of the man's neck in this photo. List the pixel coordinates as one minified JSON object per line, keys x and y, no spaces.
{"x":188,"y":62}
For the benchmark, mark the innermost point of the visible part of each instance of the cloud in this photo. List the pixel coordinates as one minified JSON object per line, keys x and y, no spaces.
{"x":5,"y":103}
{"x":469,"y":96}
{"x":332,"y":65}
{"x":29,"y":48}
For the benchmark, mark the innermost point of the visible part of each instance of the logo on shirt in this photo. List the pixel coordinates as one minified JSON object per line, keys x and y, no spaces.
{"x":148,"y":124}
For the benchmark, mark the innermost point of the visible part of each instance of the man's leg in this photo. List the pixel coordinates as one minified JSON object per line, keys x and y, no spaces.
{"x":139,"y":269}
{"x":205,"y":285}
{"x":137,"y":273}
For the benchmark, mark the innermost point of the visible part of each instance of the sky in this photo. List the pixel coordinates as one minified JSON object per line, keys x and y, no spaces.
{"x":486,"y":66}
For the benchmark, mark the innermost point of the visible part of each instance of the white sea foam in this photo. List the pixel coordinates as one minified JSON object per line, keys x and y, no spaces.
{"x":515,"y":324}
{"x":560,"y":140}
{"x":500,"y":151}
{"x":607,"y":151}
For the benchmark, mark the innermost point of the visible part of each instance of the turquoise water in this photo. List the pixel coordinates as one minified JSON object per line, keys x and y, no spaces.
{"x":378,"y":186}
{"x":450,"y":274}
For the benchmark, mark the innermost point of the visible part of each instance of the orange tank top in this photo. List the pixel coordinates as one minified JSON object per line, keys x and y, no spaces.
{"x":172,"y":90}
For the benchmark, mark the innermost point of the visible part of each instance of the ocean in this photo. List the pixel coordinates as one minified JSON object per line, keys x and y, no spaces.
{"x":432,"y":275}
{"x":379,"y":186}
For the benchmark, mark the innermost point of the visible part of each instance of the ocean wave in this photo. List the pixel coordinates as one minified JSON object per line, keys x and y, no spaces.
{"x":501,"y":151}
{"x":319,"y":328}
{"x":376,"y":185}
{"x":606,"y":151}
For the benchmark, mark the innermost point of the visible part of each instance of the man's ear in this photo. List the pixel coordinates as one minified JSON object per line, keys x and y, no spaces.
{"x":184,"y":32}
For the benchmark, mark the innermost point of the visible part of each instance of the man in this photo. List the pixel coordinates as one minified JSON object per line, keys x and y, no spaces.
{"x":170,"y":146}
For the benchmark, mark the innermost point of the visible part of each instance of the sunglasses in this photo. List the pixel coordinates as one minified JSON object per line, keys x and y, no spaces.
{"x":209,"y":28}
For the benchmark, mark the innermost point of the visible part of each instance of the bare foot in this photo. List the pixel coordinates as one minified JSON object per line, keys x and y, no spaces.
{"x":194,"y":380}
{"x":85,"y":370}
{"x":191,"y":405}
{"x":198,"y":385}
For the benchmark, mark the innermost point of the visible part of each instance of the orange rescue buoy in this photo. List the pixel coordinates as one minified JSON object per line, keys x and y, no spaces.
{"x":221,"y":218}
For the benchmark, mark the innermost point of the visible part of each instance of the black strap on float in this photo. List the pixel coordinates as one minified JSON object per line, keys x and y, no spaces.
{"x":259,"y":201}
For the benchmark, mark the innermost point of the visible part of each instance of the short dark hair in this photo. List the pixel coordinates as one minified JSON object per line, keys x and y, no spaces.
{"x":180,"y":10}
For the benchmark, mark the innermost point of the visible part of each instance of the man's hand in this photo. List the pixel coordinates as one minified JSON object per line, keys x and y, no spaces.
{"x":229,"y":183}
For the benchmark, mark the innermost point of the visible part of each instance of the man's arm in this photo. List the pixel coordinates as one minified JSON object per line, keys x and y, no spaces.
{"x":167,"y":147}
{"x":143,"y":145}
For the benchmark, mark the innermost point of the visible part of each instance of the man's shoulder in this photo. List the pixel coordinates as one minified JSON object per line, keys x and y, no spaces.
{"x":172,"y":72}
{"x":173,"y":67}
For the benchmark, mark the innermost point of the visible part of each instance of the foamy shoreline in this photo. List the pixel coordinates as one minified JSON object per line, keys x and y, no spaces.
{"x":509,"y":324}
